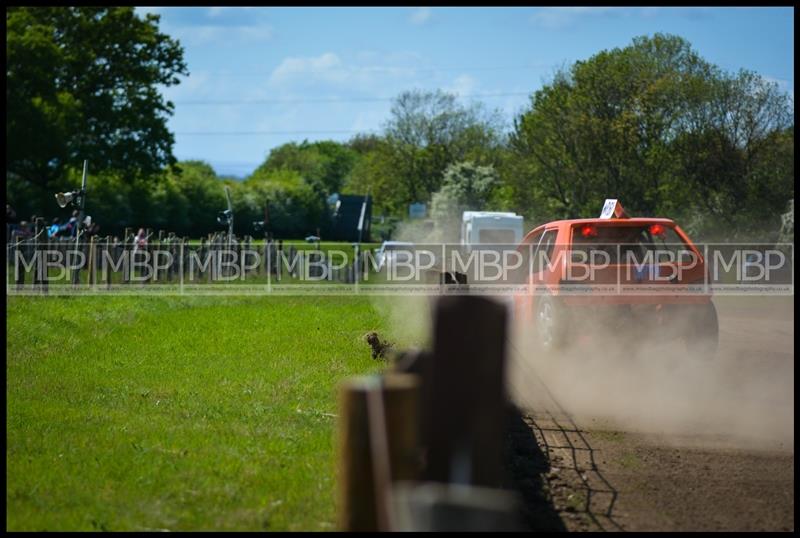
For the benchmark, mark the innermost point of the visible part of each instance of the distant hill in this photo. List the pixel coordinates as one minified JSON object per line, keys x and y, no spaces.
{"x":231,"y":177}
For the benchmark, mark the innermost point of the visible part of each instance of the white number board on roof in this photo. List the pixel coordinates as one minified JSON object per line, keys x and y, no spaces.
{"x":608,"y":208}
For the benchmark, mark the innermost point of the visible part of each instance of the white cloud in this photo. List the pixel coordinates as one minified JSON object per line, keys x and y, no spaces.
{"x":216,"y":26}
{"x":204,"y":34}
{"x":327,"y":66}
{"x":556,"y":18}
{"x":420,"y":15}
{"x":215,"y":12}
{"x":463,"y":85}
{"x":329,"y":69}
{"x":783,"y":84}
{"x":254,"y":33}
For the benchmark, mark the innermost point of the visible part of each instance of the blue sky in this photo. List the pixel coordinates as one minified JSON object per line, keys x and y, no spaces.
{"x":273,"y":75}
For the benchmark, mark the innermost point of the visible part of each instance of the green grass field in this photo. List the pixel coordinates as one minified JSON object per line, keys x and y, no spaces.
{"x":135,"y":413}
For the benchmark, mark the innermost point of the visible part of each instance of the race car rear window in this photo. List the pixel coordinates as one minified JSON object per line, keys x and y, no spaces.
{"x":621,"y":242}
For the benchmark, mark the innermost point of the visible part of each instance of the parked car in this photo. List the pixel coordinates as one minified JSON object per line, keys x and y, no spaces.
{"x":389,"y":251}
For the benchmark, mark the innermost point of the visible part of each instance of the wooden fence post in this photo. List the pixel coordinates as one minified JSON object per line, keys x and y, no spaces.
{"x":212,"y":258}
{"x":62,"y":248}
{"x":20,"y":271}
{"x":44,"y":256}
{"x":76,"y":272}
{"x":175,"y":246}
{"x":184,"y":257}
{"x":201,"y":253}
{"x":156,"y":252}
{"x":374,"y":420}
{"x":91,"y":276}
{"x":242,"y":254}
{"x":127,"y":253}
{"x":278,"y":260}
{"x":465,"y":396}
{"x":148,"y":233}
{"x":225,"y":247}
{"x":171,"y":253}
{"x":110,"y":259}
{"x":38,"y":265}
{"x":267,"y":253}
{"x":209,"y":258}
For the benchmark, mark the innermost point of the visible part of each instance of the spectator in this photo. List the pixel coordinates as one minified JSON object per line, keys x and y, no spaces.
{"x":140,"y":241}
{"x":54,"y":228}
{"x":11,"y":222}
{"x":24,"y":231}
{"x":91,"y":227}
{"x":72,"y":225}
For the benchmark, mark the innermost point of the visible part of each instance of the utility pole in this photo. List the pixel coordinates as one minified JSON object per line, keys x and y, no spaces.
{"x":360,"y":233}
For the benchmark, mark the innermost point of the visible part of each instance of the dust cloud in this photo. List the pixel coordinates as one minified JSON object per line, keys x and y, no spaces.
{"x":641,"y":382}
{"x":615,"y":378}
{"x":742,"y":397}
{"x":408,"y":318}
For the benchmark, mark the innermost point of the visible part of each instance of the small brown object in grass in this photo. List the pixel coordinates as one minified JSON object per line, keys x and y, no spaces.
{"x":379,"y":348}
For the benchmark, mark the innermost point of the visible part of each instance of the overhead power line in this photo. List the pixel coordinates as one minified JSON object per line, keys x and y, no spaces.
{"x":332,"y":100}
{"x":394,"y":69}
{"x":255,"y":133}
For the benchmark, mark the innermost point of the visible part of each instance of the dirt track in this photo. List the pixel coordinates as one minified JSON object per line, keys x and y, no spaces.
{"x":725,"y":462}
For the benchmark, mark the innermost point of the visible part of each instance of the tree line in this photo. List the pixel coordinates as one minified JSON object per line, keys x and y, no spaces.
{"x":652,"y":123}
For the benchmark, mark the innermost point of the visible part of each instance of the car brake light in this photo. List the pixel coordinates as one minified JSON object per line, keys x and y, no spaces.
{"x":657,"y":230}
{"x":589,"y":230}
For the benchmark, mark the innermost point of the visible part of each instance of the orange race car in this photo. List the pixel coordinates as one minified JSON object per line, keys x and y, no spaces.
{"x":619,"y":271}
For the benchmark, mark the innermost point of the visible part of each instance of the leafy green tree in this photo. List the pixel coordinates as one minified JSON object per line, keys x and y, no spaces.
{"x":295,"y":207}
{"x":110,"y":204}
{"x":201,"y":197}
{"x":376,"y":172}
{"x":658,"y":127}
{"x":465,"y":187}
{"x":738,"y":157}
{"x":323,"y":164}
{"x":602,"y":128}
{"x":364,"y":143}
{"x":428,"y":131}
{"x":82,"y":83}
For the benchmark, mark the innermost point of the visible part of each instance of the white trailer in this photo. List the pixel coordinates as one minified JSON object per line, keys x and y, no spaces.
{"x":490,"y":228}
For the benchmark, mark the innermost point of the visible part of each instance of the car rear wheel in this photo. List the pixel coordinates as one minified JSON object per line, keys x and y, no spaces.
{"x":550,"y":324}
{"x":702,"y":336}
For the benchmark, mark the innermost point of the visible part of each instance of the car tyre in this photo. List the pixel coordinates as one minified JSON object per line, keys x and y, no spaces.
{"x":550,"y":324}
{"x":702,"y":336}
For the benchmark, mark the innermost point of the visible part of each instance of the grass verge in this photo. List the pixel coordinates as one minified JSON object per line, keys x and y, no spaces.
{"x":131,"y":413}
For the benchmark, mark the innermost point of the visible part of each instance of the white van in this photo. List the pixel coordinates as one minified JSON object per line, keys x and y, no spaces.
{"x":490,"y":227}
